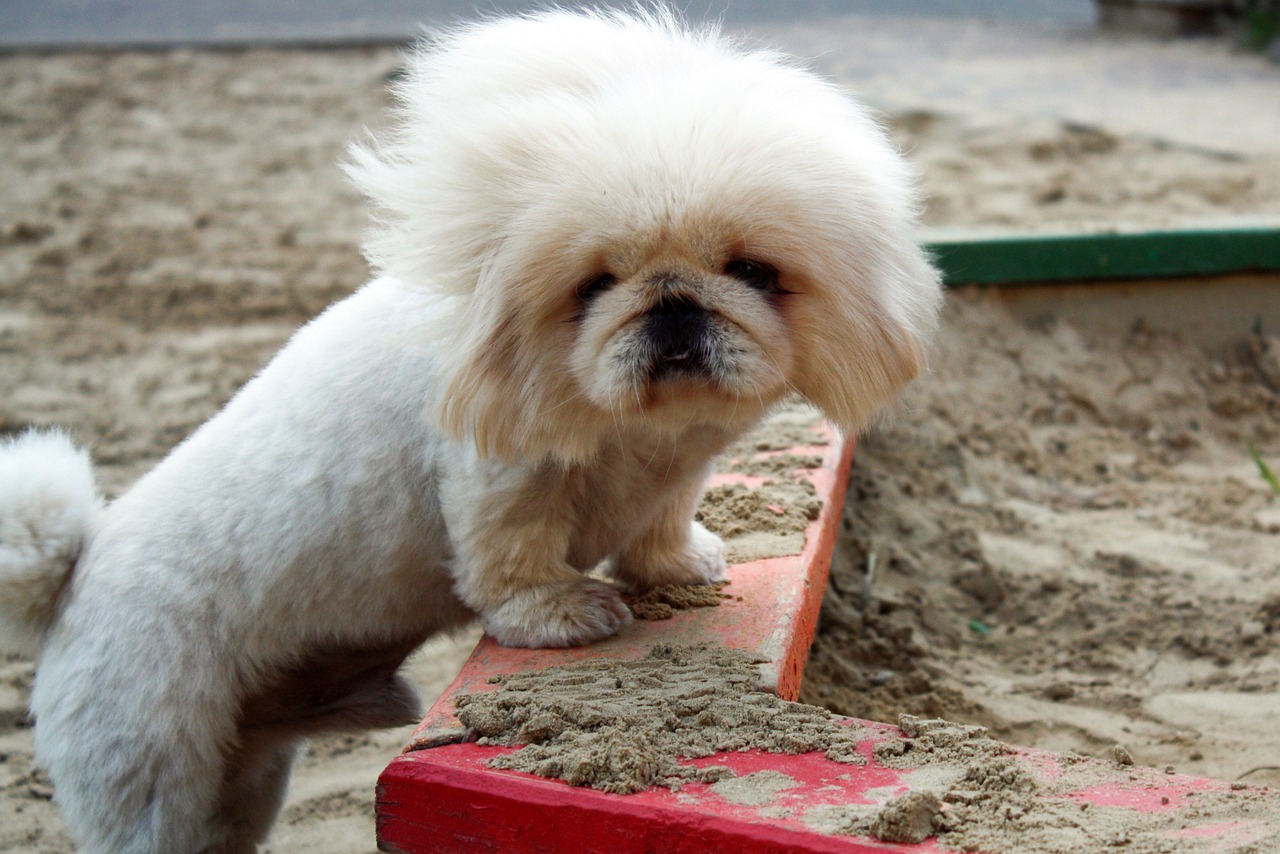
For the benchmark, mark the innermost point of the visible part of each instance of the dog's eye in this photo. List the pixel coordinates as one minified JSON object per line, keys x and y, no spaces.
{"x":754,"y":274}
{"x":590,"y":288}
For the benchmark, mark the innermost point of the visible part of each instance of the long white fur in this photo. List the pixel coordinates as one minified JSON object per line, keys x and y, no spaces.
{"x":48,"y":500}
{"x":616,"y":110}
{"x":389,"y":476}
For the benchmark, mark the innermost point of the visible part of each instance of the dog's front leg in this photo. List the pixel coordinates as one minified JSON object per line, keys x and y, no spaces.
{"x":510,"y":536}
{"x":673,"y":549}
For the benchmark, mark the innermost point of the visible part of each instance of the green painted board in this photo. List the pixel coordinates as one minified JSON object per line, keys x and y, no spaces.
{"x":966,"y":260}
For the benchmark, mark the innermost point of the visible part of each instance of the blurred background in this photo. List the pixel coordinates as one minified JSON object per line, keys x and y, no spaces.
{"x":153,"y":22}
{"x":46,"y":23}
{"x":1070,"y":59}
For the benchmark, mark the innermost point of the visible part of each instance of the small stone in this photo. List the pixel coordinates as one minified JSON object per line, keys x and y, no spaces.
{"x":1121,"y":756}
{"x":1251,"y":631}
{"x":1267,"y":521}
{"x":1059,"y":691}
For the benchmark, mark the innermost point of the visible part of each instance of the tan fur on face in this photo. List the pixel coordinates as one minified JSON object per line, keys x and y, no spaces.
{"x":833,"y":337}
{"x":754,"y":341}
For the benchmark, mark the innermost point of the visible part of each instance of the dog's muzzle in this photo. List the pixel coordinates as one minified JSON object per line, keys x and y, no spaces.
{"x":681,"y":339}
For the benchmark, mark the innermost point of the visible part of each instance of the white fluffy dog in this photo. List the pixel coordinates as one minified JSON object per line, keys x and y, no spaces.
{"x":606,"y":247}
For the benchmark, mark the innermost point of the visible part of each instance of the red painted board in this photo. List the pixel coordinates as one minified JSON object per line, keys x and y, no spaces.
{"x":447,"y":800}
{"x":772,"y":614}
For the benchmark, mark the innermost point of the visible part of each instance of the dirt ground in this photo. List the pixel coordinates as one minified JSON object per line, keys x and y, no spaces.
{"x":1061,"y":535}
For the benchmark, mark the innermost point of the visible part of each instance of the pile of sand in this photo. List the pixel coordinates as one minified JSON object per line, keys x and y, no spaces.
{"x":622,"y":726}
{"x":662,"y":603}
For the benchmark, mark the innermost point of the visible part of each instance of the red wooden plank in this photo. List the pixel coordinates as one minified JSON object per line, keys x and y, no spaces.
{"x":447,"y":800}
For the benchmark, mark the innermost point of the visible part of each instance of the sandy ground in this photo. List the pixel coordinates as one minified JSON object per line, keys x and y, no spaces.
{"x":1069,"y":541}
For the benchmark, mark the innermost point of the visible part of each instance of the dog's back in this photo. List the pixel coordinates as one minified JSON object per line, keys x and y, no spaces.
{"x":262,"y":583}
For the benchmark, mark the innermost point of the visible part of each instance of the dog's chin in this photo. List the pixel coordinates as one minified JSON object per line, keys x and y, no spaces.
{"x":678,"y":362}
{"x":676,"y":401}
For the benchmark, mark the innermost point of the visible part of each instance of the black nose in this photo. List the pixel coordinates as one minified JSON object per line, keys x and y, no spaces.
{"x":679,"y":335}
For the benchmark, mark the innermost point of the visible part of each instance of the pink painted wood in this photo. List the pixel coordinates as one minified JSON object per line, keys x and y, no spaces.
{"x":446,"y":800}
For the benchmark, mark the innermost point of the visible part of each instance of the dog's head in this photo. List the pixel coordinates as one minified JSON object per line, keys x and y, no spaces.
{"x":643,"y":227}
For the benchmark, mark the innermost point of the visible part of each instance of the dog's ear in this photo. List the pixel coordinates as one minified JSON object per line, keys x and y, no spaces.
{"x":506,"y":388}
{"x":860,"y":332}
{"x":482,"y":396}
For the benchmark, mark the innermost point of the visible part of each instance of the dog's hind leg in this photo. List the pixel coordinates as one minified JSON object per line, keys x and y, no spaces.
{"x":137,"y":790}
{"x":136,"y":725}
{"x":329,"y":690}
{"x":252,"y":795}
{"x":333,"y":689}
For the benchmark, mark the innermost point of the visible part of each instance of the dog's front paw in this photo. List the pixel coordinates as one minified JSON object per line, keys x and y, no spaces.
{"x":699,"y":560}
{"x":703,"y":558}
{"x":570,"y":613}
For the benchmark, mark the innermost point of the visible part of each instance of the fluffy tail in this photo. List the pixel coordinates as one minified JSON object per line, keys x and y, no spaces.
{"x":48,"y":499}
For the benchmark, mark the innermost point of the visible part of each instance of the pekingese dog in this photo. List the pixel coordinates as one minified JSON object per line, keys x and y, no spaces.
{"x":606,"y":245}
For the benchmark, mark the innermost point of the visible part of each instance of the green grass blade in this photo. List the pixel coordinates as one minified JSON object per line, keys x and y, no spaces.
{"x":1267,"y":474}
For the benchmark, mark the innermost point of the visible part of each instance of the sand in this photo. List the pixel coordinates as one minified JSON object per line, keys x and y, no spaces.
{"x":662,"y":603}
{"x":973,"y":794}
{"x":1075,"y":551}
{"x":1070,"y":543}
{"x":621,"y":727}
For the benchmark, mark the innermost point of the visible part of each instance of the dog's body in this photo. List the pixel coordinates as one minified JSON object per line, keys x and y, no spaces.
{"x":601,"y":265}
{"x":285,"y":539}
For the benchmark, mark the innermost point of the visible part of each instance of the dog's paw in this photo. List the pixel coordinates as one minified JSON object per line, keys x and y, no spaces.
{"x":700,"y":560}
{"x":571,"y":613}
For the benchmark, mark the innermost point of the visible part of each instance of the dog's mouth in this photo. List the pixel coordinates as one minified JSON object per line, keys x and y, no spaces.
{"x":679,"y":350}
{"x":679,"y":340}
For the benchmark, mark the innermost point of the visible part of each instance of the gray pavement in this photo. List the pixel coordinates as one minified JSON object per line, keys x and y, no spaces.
{"x":1201,"y":93}
{"x":986,"y":60}
{"x":63,"y":23}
